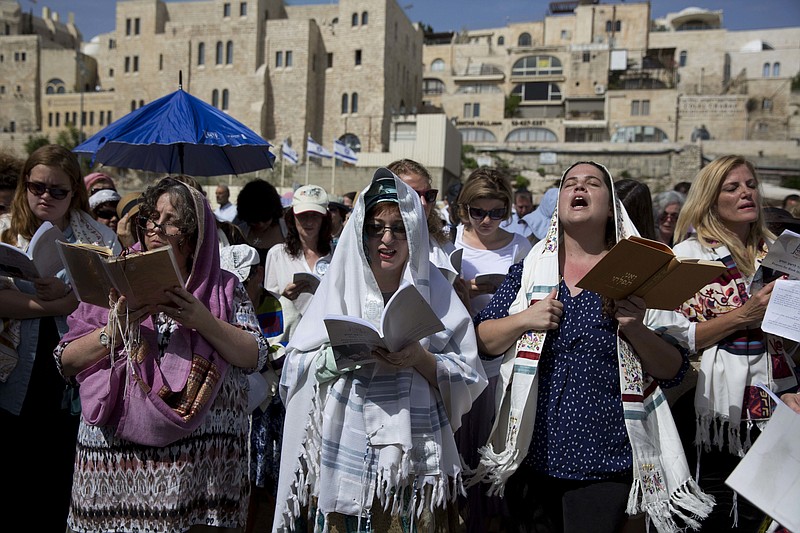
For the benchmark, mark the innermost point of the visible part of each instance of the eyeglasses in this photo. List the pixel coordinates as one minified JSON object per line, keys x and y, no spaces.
{"x":38,"y":189}
{"x":151,"y":226}
{"x":477,"y":213}
{"x":668,"y":216}
{"x":376,"y":231}
{"x":429,"y":195}
{"x":105,"y":213}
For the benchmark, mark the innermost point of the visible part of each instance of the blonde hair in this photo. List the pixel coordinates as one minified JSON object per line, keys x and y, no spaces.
{"x":700,"y":213}
{"x":484,"y":183}
{"x":405,"y":167}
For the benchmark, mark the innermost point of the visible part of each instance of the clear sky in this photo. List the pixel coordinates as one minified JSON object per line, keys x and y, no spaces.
{"x":97,"y":16}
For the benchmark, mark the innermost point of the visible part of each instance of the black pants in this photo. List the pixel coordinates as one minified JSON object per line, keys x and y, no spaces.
{"x":542,"y":504}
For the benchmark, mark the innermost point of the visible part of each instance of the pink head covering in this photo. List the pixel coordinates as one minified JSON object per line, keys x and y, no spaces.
{"x":94,"y":177}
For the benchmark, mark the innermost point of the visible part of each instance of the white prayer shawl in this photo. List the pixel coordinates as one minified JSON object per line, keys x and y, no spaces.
{"x":727,"y":370}
{"x":376,"y":433}
{"x":662,"y":485}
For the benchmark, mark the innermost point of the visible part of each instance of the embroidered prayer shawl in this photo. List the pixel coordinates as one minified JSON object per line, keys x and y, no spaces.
{"x":327,"y":454}
{"x":156,"y":401}
{"x":727,"y":390}
{"x":662,"y":486}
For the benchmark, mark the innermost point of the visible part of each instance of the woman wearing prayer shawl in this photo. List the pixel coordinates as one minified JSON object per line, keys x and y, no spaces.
{"x":583,"y":433}
{"x":723,"y":220}
{"x":374,"y":445}
{"x":162,"y":444}
{"x":35,"y":409}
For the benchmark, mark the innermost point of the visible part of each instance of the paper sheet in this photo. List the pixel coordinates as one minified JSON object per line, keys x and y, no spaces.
{"x":783,"y":312}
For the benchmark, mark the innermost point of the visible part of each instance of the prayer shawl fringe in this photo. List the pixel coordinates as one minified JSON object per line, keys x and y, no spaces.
{"x":662,"y":485}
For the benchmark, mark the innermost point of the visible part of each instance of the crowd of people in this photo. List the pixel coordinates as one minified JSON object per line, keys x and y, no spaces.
{"x":536,"y":406}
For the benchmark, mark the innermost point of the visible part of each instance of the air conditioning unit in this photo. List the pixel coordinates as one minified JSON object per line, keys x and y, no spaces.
{"x":599,"y":89}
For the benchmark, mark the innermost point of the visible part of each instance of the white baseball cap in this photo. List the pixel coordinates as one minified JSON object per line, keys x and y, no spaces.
{"x":310,"y":198}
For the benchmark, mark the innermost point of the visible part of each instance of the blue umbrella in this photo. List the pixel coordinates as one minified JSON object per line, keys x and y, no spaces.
{"x":179,"y":133}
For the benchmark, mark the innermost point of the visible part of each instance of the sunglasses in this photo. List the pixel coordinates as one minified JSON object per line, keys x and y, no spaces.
{"x":477,"y":213}
{"x":376,"y":231}
{"x":108,"y":214}
{"x":151,"y":226}
{"x":38,"y":189}
{"x":429,"y":195}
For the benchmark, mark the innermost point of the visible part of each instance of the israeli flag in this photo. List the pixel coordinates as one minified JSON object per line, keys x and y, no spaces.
{"x":343,"y":152}
{"x":316,"y":149}
{"x":289,"y":154}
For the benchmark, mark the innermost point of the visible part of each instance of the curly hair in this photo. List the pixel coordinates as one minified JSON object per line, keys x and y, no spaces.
{"x":293,"y":244}
{"x":181,"y":199}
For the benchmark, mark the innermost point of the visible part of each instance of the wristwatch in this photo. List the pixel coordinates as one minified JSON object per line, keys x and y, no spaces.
{"x":105,"y":340}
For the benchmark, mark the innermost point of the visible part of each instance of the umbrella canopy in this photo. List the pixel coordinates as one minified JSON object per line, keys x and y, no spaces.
{"x":179,"y":133}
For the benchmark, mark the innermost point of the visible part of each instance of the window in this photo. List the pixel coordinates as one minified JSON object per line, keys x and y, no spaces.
{"x":478,"y":88}
{"x":215,"y":98}
{"x":100,"y":117}
{"x":345,"y":101}
{"x":587,"y":57}
{"x":91,"y":118}
{"x":645,"y":107}
{"x":112,"y":43}
{"x":564,"y":34}
{"x":141,"y":103}
{"x":776,"y":70}
{"x":133,"y":105}
{"x":50,"y":120}
{"x":127,"y":63}
{"x":108,"y":117}
{"x":432,"y":86}
{"x":364,"y":18}
{"x":765,"y":71}
{"x":537,"y":66}
{"x":278,"y":59}
{"x":766,"y":104}
{"x":472,"y":135}
{"x":501,"y":41}
{"x":127,"y":26}
{"x":354,"y":103}
{"x":201,"y":53}
{"x":472,"y":110}
{"x":531,"y":135}
{"x":55,"y":86}
{"x":538,"y":92}
{"x":136,"y":26}
{"x":330,"y":60}
{"x":160,"y":61}
{"x":524,"y":39}
{"x":242,"y":9}
{"x":136,"y":63}
{"x":229,"y":53}
{"x":639,"y":134}
{"x":358,"y":57}
{"x":111,"y":73}
{"x":20,"y":56}
{"x":224,"y":99}
{"x":437,"y":65}
{"x":634,"y":107}
{"x":354,"y":19}
{"x":226,"y":9}
{"x":682,"y":59}
{"x":288,"y":58}
{"x":613,"y":25}
{"x":219,"y":53}
{"x":58,"y":119}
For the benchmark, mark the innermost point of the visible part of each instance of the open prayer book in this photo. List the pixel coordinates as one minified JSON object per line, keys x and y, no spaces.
{"x":312,"y":280}
{"x":142,"y":277}
{"x":453,"y":270}
{"x":650,"y":270}
{"x":40,"y":261}
{"x":407,"y":317}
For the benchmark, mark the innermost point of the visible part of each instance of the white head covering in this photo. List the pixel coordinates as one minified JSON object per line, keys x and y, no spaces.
{"x":333,"y":420}
{"x":238,"y":258}
{"x":103,"y":196}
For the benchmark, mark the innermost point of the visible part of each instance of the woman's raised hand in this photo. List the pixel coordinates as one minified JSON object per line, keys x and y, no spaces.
{"x":752,"y":312}
{"x":545,"y":314}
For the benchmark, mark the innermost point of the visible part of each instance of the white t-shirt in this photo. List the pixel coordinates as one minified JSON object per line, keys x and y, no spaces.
{"x":477,"y":261}
{"x":226,"y":213}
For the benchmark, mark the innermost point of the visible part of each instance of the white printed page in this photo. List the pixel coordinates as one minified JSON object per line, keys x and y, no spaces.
{"x":782,"y":317}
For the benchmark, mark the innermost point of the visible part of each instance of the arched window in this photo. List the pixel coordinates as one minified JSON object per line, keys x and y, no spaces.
{"x":776,"y":70}
{"x":225,"y":99}
{"x":524,"y":39}
{"x":351,"y":141}
{"x":501,"y":41}
{"x":201,"y":53}
{"x":141,"y":103}
{"x":364,"y":18}
{"x":229,"y":53}
{"x":765,"y":71}
{"x":215,"y":98}
{"x":538,"y":91}
{"x":133,"y":105}
{"x":537,"y":66}
{"x":345,"y":101}
{"x":682,"y":59}
{"x":472,"y":135}
{"x":432,"y":86}
{"x":354,"y":103}
{"x":437,"y":65}
{"x":219,"y":52}
{"x":55,"y":86}
{"x":521,"y":135}
{"x":354,"y":19}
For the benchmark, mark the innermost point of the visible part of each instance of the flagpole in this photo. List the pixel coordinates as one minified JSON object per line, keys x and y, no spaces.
{"x":309,"y":135}
{"x":283,"y":167}
{"x":333,"y":171}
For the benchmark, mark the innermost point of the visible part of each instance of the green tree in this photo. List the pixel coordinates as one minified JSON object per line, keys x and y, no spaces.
{"x":34,"y":142}
{"x":467,"y":161}
{"x":69,"y":137}
{"x":521,"y":182}
{"x":512,"y":106}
